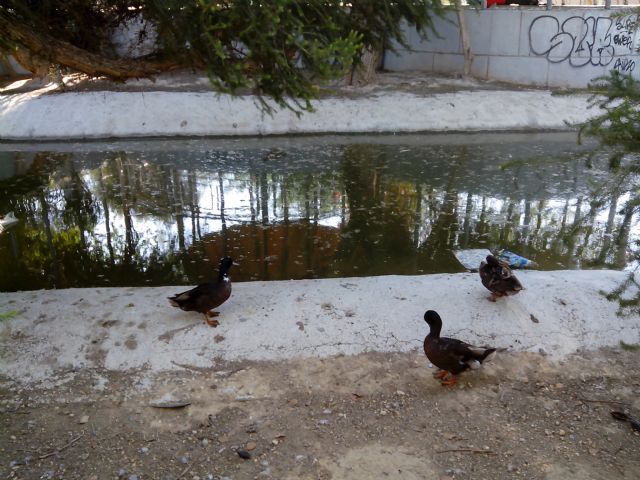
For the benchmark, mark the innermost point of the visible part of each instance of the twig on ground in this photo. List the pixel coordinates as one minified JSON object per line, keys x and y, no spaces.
{"x":184,"y":472}
{"x":46,"y":455}
{"x":467,"y":450}
{"x":192,"y":367}
{"x":589,"y":400}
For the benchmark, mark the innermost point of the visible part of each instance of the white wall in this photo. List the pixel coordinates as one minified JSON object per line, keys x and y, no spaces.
{"x":563,"y":47}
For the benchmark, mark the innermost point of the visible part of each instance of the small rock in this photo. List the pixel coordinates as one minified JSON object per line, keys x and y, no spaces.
{"x":562,"y":433}
{"x":184,"y":460}
{"x":301,"y":458}
{"x":251,"y":446}
{"x":83,"y":419}
{"x":454,"y":471}
{"x":293,"y":402}
{"x":133,"y":476}
{"x":242,"y":453}
{"x":323,"y":422}
{"x":144,"y":450}
{"x":511,"y":467}
{"x":121,"y":473}
{"x":326,"y":411}
{"x":400,"y":392}
{"x":593,"y":452}
{"x":205,"y":442}
{"x":253,"y":428}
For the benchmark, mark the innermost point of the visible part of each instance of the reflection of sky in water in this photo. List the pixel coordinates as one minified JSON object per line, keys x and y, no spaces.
{"x":156,"y":212}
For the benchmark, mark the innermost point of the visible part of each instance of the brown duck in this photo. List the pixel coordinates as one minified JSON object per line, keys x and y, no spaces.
{"x":452,"y":356}
{"x":207,"y":296}
{"x":498,"y":278}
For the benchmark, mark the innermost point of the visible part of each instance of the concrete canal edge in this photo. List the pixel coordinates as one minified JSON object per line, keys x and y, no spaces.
{"x":67,"y":116}
{"x":55,"y":332}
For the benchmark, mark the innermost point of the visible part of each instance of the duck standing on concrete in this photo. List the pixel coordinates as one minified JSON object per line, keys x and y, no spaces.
{"x":452,"y":356}
{"x":207,"y":296}
{"x":498,"y":278}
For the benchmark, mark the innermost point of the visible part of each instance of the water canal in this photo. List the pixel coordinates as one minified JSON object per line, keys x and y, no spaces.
{"x":162,"y":212}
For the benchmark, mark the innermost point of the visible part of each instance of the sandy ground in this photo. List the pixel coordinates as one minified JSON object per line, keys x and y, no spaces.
{"x":368,"y":416}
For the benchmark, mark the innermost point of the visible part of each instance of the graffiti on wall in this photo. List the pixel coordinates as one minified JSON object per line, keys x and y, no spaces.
{"x":597,"y":41}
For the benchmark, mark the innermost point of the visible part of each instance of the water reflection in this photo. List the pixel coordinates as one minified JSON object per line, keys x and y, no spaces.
{"x":158,"y":213}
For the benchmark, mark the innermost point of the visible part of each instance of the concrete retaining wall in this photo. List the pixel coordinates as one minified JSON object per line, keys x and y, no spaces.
{"x":564,"y":47}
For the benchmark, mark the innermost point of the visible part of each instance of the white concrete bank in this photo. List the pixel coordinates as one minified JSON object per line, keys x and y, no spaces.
{"x":131,"y":328}
{"x":109,"y":114}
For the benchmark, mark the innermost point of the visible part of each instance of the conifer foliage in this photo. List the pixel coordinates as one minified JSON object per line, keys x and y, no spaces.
{"x":278,"y":49}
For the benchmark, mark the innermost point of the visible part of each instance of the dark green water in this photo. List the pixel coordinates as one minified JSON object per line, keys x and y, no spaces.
{"x":163,"y":212}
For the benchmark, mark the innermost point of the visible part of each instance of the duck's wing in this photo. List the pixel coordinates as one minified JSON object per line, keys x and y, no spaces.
{"x":465,"y":351}
{"x":190,"y":297}
{"x":510,"y":284}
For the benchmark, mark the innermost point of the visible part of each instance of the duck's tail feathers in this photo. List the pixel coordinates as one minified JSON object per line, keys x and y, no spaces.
{"x":482,"y":354}
{"x":488,"y":355}
{"x":177,"y":299}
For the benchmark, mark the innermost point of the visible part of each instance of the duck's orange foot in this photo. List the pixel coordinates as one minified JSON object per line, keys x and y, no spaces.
{"x":441,"y":374}
{"x":210,"y":319}
{"x":449,"y":382}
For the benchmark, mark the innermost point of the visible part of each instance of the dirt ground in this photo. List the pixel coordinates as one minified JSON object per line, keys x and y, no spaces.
{"x":364,"y":417}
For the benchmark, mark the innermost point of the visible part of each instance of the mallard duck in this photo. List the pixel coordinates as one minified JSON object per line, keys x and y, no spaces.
{"x":207,"y":296}
{"x":498,"y":278}
{"x":450,"y":355}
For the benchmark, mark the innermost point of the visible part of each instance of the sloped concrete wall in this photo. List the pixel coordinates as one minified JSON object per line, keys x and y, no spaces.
{"x":564,"y":47}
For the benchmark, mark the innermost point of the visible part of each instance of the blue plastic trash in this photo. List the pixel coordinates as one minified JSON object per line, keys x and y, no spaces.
{"x":516,"y":261}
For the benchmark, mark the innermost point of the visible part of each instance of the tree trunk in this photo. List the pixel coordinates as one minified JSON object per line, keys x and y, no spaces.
{"x":36,"y":49}
{"x":362,"y":73}
{"x":464,"y":36}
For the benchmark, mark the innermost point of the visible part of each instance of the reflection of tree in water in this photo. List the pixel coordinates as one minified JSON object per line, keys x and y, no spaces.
{"x":435,"y":252}
{"x":377,"y":235}
{"x":128,"y":221}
